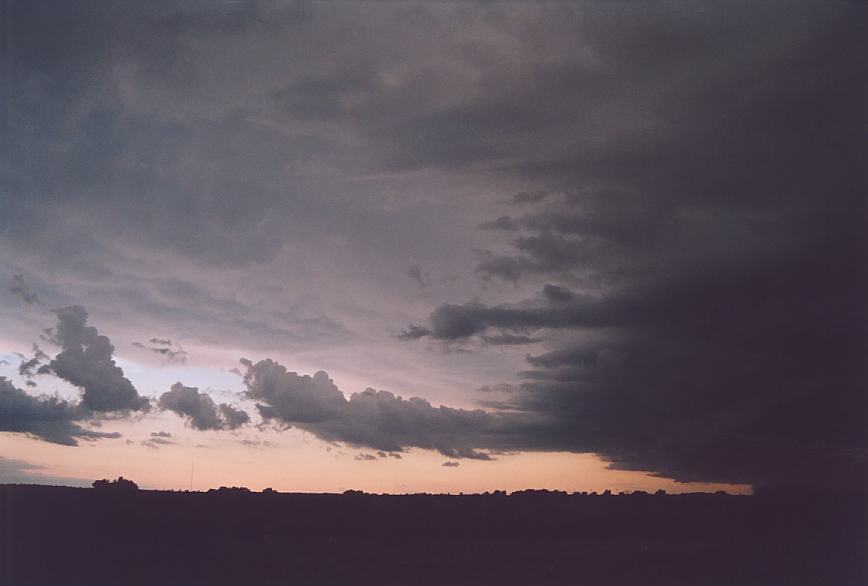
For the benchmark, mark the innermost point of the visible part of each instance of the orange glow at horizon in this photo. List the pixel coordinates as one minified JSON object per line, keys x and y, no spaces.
{"x":293,"y":461}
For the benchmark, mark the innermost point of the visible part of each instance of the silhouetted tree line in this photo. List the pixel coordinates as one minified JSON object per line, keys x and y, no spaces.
{"x":230,"y":490}
{"x":231,"y":535}
{"x":121,"y":484}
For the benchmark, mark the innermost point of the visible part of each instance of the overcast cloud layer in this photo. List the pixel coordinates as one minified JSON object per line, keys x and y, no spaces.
{"x":639,"y":227}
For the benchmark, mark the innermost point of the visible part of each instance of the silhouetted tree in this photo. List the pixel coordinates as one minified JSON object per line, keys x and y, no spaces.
{"x":120,"y":484}
{"x":230,"y":490}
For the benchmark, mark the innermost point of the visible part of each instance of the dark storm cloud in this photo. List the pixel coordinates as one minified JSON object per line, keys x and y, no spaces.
{"x":173,"y":352}
{"x":48,"y":418}
{"x":747,"y":371}
{"x":707,"y":267}
{"x":200,"y":410}
{"x":376,"y":419}
{"x":86,"y":361}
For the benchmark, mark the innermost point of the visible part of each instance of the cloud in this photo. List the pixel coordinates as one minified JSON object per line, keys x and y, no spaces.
{"x":509,"y":340}
{"x":86,"y":361}
{"x":373,"y":419}
{"x":414,"y":332}
{"x":502,"y":223}
{"x":684,"y":372}
{"x":524,"y":197}
{"x":415,"y":273}
{"x":701,"y":271}
{"x":20,"y":288}
{"x":35,"y":365}
{"x":746,"y":371}
{"x":158,"y":439}
{"x":200,"y":410}
{"x":691,"y":204}
{"x":498,"y":388}
{"x":256,"y":443}
{"x":462,"y":321}
{"x":233,"y":417}
{"x":48,"y":418}
{"x":171,"y":351}
{"x":20,"y":472}
{"x":450,"y":464}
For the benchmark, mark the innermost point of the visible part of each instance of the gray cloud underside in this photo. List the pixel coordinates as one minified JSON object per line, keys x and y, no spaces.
{"x":20,"y":472}
{"x":86,"y":361}
{"x":378,"y":419}
{"x":200,"y":410}
{"x":48,"y":418}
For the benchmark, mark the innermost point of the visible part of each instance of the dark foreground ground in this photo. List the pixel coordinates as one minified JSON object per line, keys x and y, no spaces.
{"x":67,"y":536}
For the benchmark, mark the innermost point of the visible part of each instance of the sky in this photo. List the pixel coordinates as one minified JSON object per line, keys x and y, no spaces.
{"x":434,"y":246}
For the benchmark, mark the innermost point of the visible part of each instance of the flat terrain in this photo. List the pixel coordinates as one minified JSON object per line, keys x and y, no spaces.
{"x":69,"y":536}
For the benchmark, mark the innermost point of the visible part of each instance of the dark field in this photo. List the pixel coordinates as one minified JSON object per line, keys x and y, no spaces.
{"x":67,"y":536}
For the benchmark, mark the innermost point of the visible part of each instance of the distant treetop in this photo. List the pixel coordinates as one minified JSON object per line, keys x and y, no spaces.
{"x":120,"y":484}
{"x":230,"y":490}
